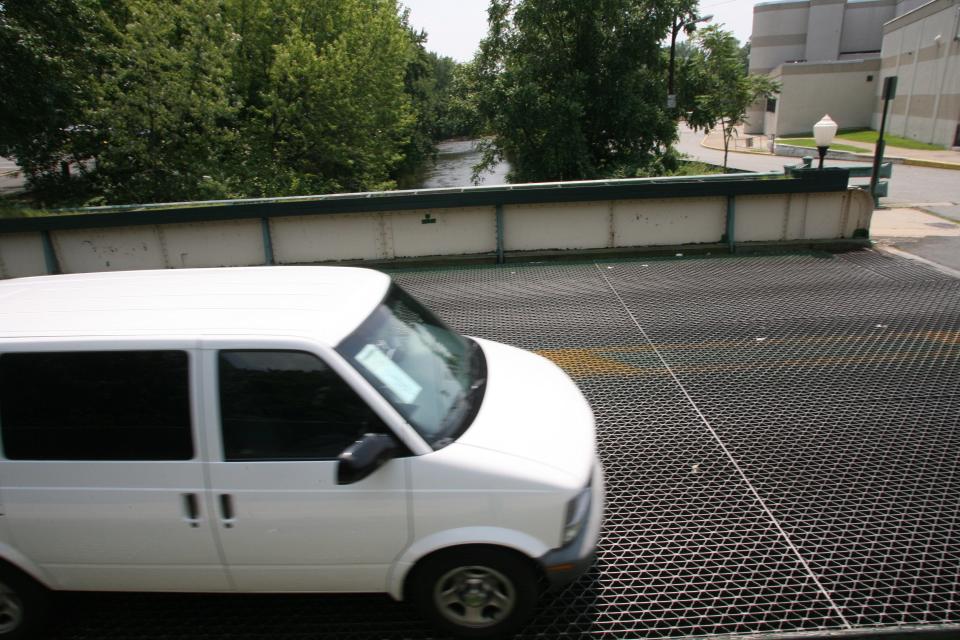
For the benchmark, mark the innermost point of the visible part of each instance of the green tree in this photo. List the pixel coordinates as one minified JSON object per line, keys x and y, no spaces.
{"x":49,"y":52}
{"x":574,"y":89}
{"x":186,"y":99}
{"x":459,"y":113}
{"x":717,"y":89}
{"x":427,"y":82}
{"x":162,"y":112}
{"x":326,"y":103}
{"x":745,"y":56}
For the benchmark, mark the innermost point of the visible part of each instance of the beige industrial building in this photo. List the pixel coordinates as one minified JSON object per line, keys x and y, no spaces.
{"x":831,"y":56}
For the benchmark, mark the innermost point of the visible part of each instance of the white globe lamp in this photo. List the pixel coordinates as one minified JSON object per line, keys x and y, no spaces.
{"x":823,"y":133}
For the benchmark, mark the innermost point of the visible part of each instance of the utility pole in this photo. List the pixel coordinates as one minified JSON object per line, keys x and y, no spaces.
{"x":679,"y":23}
{"x":889,"y":91}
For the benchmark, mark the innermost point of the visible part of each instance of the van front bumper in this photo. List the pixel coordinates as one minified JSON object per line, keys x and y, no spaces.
{"x":565,"y":564}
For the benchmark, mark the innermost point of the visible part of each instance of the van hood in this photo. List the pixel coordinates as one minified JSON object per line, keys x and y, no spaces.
{"x":533,"y":411}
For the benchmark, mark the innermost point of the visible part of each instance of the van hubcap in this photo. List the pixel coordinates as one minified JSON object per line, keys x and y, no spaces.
{"x":474,"y":596}
{"x":11,"y":610}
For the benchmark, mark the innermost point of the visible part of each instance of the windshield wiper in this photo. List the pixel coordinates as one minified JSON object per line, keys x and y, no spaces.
{"x":466,"y":404}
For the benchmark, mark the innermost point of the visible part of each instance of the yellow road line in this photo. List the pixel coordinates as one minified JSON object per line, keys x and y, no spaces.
{"x":600,"y":361}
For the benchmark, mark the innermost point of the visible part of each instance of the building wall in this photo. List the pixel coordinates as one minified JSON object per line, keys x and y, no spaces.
{"x":779,"y":34}
{"x":824,"y":25}
{"x":843,"y":89}
{"x":817,"y":30}
{"x":906,"y":6}
{"x":813,"y":31}
{"x":863,"y":27}
{"x":922,"y":48}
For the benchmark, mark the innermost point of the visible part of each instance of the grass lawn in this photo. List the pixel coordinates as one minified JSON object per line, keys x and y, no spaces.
{"x":868,"y":135}
{"x":809,"y":142}
{"x":694,"y":168}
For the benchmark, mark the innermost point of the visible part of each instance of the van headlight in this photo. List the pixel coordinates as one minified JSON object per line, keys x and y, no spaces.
{"x":577,"y":511}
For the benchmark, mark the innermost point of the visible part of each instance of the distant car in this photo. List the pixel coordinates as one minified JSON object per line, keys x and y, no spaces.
{"x":282,"y":429}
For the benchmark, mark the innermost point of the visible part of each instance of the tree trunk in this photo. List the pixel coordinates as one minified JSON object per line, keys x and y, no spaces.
{"x":726,"y":144}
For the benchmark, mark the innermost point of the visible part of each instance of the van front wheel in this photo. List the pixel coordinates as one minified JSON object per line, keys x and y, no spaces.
{"x":476,"y":592}
{"x":22,"y":605}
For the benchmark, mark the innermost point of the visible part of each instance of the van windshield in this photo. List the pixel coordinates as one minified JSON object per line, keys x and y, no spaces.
{"x":432,"y":375}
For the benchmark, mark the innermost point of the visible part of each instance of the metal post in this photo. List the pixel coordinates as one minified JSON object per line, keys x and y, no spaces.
{"x":731,"y":222}
{"x":49,"y":253}
{"x":889,"y":91}
{"x":499,"y":215}
{"x":671,"y":92}
{"x":267,"y":241}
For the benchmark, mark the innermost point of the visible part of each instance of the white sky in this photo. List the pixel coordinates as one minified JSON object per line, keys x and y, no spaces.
{"x":454,"y":27}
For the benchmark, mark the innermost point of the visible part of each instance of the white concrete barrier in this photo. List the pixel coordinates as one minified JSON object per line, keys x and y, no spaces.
{"x":513,"y":223}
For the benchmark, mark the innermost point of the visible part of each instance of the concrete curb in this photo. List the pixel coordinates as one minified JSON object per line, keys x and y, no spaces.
{"x":798,"y":152}
{"x":756,"y":152}
{"x":936,"y":164}
{"x":792,"y":151}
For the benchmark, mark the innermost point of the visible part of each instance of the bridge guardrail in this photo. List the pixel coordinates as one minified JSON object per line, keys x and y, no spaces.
{"x":498,"y":222}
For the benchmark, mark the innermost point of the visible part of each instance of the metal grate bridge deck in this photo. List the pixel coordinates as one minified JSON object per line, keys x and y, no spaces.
{"x":781,"y":438}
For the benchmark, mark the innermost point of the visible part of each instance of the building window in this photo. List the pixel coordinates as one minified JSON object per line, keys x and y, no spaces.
{"x":95,"y":405}
{"x":771,"y":105}
{"x":870,"y":78}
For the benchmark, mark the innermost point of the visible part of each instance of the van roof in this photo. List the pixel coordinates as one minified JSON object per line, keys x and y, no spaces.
{"x":322,"y":303}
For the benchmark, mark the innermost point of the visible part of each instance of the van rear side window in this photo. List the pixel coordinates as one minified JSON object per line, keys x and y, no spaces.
{"x":95,"y":405}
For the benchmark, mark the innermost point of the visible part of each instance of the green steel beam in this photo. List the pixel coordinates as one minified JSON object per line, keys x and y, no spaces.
{"x":731,"y":223}
{"x":49,"y":253}
{"x":499,"y":215}
{"x":267,"y":241}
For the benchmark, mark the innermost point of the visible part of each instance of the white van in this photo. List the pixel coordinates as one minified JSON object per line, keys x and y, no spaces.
{"x":281,"y":429}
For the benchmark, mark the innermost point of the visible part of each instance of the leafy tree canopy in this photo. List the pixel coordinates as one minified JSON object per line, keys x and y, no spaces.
{"x":574,"y":89}
{"x":160,"y":122}
{"x":48,"y":53}
{"x":159,"y":100}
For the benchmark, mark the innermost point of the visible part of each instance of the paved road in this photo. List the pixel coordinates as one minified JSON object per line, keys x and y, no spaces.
{"x":10,"y":177}
{"x":909,"y":184}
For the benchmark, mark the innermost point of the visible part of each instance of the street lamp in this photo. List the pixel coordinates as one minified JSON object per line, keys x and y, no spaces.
{"x":678,"y":24}
{"x":823,"y":133}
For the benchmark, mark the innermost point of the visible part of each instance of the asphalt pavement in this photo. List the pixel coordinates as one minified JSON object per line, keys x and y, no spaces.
{"x":909,"y":185}
{"x":11,"y":180}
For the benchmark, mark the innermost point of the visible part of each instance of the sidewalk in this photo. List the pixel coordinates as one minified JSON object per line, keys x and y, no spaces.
{"x":758,"y":143}
{"x":919,"y":234}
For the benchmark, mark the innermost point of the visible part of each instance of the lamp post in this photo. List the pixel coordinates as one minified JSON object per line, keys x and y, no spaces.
{"x":823,"y":133}
{"x":678,"y":24}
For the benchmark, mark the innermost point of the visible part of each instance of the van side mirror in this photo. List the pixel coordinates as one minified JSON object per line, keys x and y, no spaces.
{"x":364,"y":456}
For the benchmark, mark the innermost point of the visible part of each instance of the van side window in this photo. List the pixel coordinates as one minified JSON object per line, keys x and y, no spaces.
{"x":288,"y":405}
{"x":95,"y":405}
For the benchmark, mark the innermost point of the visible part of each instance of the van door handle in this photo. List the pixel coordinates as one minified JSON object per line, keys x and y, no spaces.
{"x":192,"y":508}
{"x":226,"y":509}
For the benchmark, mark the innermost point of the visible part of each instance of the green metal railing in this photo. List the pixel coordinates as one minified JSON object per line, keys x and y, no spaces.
{"x":882,"y":188}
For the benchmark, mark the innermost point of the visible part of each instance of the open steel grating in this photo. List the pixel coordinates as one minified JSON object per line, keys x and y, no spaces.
{"x":781,"y":439}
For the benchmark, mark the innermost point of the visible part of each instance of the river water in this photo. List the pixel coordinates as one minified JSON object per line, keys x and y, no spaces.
{"x":454,"y":166}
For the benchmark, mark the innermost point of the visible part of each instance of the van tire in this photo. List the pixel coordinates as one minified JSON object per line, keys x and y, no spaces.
{"x":475,"y":592}
{"x":23,"y":605}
